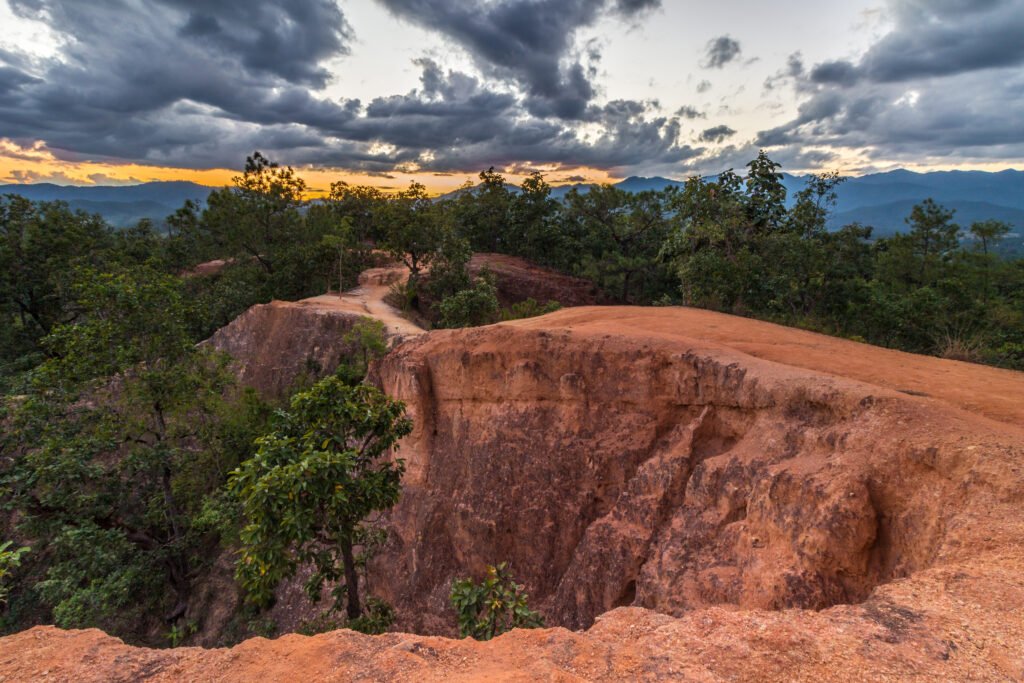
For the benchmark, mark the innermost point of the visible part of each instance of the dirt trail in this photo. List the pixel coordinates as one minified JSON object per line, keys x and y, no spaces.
{"x":368,"y":299}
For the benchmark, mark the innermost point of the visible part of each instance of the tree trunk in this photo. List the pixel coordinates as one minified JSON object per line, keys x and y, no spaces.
{"x":353,"y":609}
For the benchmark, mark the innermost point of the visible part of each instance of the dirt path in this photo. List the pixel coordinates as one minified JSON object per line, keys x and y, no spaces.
{"x":368,"y":299}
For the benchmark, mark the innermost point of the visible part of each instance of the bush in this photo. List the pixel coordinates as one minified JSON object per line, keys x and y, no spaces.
{"x":377,"y":619}
{"x":493,"y":606}
{"x":529,"y":309}
{"x":471,"y":307}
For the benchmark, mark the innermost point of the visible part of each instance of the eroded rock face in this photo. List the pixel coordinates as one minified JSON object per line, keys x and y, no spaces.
{"x":275,"y":345}
{"x":616,"y":468}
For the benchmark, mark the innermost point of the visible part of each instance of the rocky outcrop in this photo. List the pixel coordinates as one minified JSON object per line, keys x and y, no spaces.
{"x":712,"y":498}
{"x":616,"y":466}
{"x":277,"y":345}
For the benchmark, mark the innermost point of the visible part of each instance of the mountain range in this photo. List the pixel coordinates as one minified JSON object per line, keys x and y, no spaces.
{"x":120,"y":205}
{"x":884,"y":200}
{"x":881,"y":200}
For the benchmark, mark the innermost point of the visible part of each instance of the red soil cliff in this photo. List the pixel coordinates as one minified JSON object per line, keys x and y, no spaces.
{"x":786,"y":506}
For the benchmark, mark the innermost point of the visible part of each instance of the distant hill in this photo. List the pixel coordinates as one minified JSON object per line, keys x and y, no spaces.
{"x":121,"y":205}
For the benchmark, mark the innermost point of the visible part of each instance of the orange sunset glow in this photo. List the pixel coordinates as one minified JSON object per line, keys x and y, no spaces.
{"x":37,"y":164}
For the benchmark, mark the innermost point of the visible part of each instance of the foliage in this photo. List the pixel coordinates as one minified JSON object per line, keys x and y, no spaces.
{"x":260,"y":223}
{"x":493,"y":606}
{"x":119,"y":432}
{"x":472,"y":307}
{"x":529,"y":309}
{"x":179,"y":632}
{"x":378,"y":618}
{"x":41,"y":245}
{"x":742,"y":247}
{"x":361,"y":345}
{"x":308,"y":493}
{"x":618,"y":238}
{"x":10,"y":559}
{"x":125,"y":434}
{"x":414,"y":229}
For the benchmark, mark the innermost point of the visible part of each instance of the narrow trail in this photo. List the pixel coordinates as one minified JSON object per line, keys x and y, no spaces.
{"x":368,"y":299}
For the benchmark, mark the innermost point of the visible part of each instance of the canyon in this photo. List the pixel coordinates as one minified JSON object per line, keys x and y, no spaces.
{"x":685,"y":495}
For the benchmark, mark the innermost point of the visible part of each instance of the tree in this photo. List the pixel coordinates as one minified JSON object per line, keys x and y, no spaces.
{"x":414,"y":229}
{"x":620,"y":236}
{"x":362,"y":345}
{"x":41,"y":244}
{"x":532,"y":226}
{"x":988,"y":233}
{"x":766,"y":195}
{"x":934,"y":236}
{"x":259,"y":216}
{"x":117,"y":450}
{"x":362,"y":205}
{"x":471,"y":307}
{"x":308,"y":492}
{"x":481,"y":213}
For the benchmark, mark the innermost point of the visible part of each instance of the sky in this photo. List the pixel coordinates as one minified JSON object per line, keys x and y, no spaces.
{"x":384,"y":92}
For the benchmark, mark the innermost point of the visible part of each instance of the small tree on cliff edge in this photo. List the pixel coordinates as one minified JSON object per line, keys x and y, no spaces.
{"x":309,"y":489}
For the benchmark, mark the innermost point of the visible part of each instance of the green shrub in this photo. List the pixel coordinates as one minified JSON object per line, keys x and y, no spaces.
{"x":493,"y":606}
{"x":471,"y":307}
{"x":529,"y":309}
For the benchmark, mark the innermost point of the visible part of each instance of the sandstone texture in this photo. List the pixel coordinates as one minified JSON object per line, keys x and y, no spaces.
{"x":686,"y":496}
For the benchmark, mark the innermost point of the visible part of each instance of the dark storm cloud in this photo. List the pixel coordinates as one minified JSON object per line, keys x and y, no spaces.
{"x":454,"y":121}
{"x":156,"y":83}
{"x":717,"y":134}
{"x":530,"y":42}
{"x":201,"y":84}
{"x":287,"y":38}
{"x":938,"y":38}
{"x":946,"y":81}
{"x":720,"y":51}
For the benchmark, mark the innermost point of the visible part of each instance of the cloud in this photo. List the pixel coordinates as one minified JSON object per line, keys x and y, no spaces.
{"x":720,"y":51}
{"x":793,"y":71}
{"x":457,"y":122}
{"x":946,"y":82}
{"x":176,"y":80}
{"x":527,"y":42}
{"x":717,"y":134}
{"x":688,"y":112}
{"x":104,"y":179}
{"x":24,"y":176}
{"x":196,"y":84}
{"x":704,"y":86}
